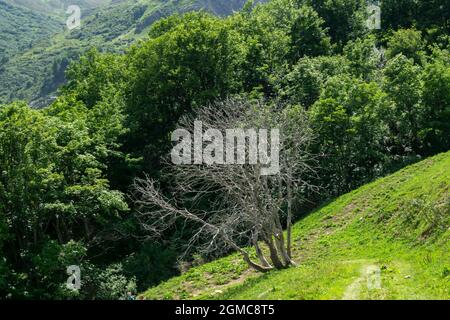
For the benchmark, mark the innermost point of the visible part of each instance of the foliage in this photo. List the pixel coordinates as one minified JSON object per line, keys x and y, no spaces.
{"x":308,"y":36}
{"x":402,"y":83}
{"x":303,"y":84}
{"x":345,"y":19}
{"x":408,"y":42}
{"x":52,"y":182}
{"x":191,"y":64}
{"x":435,"y":132}
{"x":364,"y":57}
{"x":348,"y":118}
{"x":408,"y":13}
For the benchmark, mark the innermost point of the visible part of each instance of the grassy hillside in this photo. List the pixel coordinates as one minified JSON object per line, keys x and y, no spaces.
{"x":399,"y":225}
{"x":37,"y":71}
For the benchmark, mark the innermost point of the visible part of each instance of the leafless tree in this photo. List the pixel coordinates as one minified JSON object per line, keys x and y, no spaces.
{"x":244,"y":207}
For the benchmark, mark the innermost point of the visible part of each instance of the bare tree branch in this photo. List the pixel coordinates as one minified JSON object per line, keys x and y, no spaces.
{"x":244,"y":206}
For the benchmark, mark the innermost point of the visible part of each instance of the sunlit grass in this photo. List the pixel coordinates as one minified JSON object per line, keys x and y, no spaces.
{"x":399,"y":224}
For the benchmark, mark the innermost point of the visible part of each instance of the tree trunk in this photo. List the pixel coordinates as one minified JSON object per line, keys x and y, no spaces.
{"x":274,"y":254}
{"x":255,"y":266}
{"x":245,"y":255}
{"x":280,"y":243}
{"x":259,"y":253}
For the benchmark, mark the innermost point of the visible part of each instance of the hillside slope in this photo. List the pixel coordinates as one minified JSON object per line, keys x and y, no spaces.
{"x":22,"y":29}
{"x":37,"y":71}
{"x":397,"y":227}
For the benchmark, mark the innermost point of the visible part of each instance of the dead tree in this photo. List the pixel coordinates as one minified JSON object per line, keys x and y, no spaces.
{"x":245,"y":205}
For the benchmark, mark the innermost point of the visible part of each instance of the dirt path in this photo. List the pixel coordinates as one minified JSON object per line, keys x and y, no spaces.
{"x":370,"y":277}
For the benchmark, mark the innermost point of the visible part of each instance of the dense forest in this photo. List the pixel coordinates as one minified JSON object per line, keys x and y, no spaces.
{"x":374,"y":99}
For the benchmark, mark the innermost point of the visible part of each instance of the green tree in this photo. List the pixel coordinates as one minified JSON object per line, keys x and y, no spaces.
{"x":190,"y":65}
{"x":53,"y":190}
{"x":348,"y":121}
{"x":398,"y":13}
{"x":403,"y":85}
{"x":435,"y":130}
{"x":94,"y":73}
{"x":345,"y":19}
{"x":264,"y":42}
{"x":408,"y":42}
{"x":304,"y":83}
{"x":308,"y":35}
{"x":364,"y":57}
{"x":422,"y":14}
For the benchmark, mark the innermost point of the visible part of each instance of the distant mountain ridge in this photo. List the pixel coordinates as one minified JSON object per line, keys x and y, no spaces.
{"x":56,"y":6}
{"x":216,"y":6}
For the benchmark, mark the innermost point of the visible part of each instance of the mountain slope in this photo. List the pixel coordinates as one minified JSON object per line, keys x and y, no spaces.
{"x":22,"y":28}
{"x":36,"y":73}
{"x":398,"y":226}
{"x":57,"y":7}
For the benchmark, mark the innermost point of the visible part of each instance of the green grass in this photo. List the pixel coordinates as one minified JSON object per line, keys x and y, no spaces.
{"x":399,"y":224}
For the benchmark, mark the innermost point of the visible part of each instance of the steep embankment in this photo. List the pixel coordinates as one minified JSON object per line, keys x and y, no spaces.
{"x":397,"y":227}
